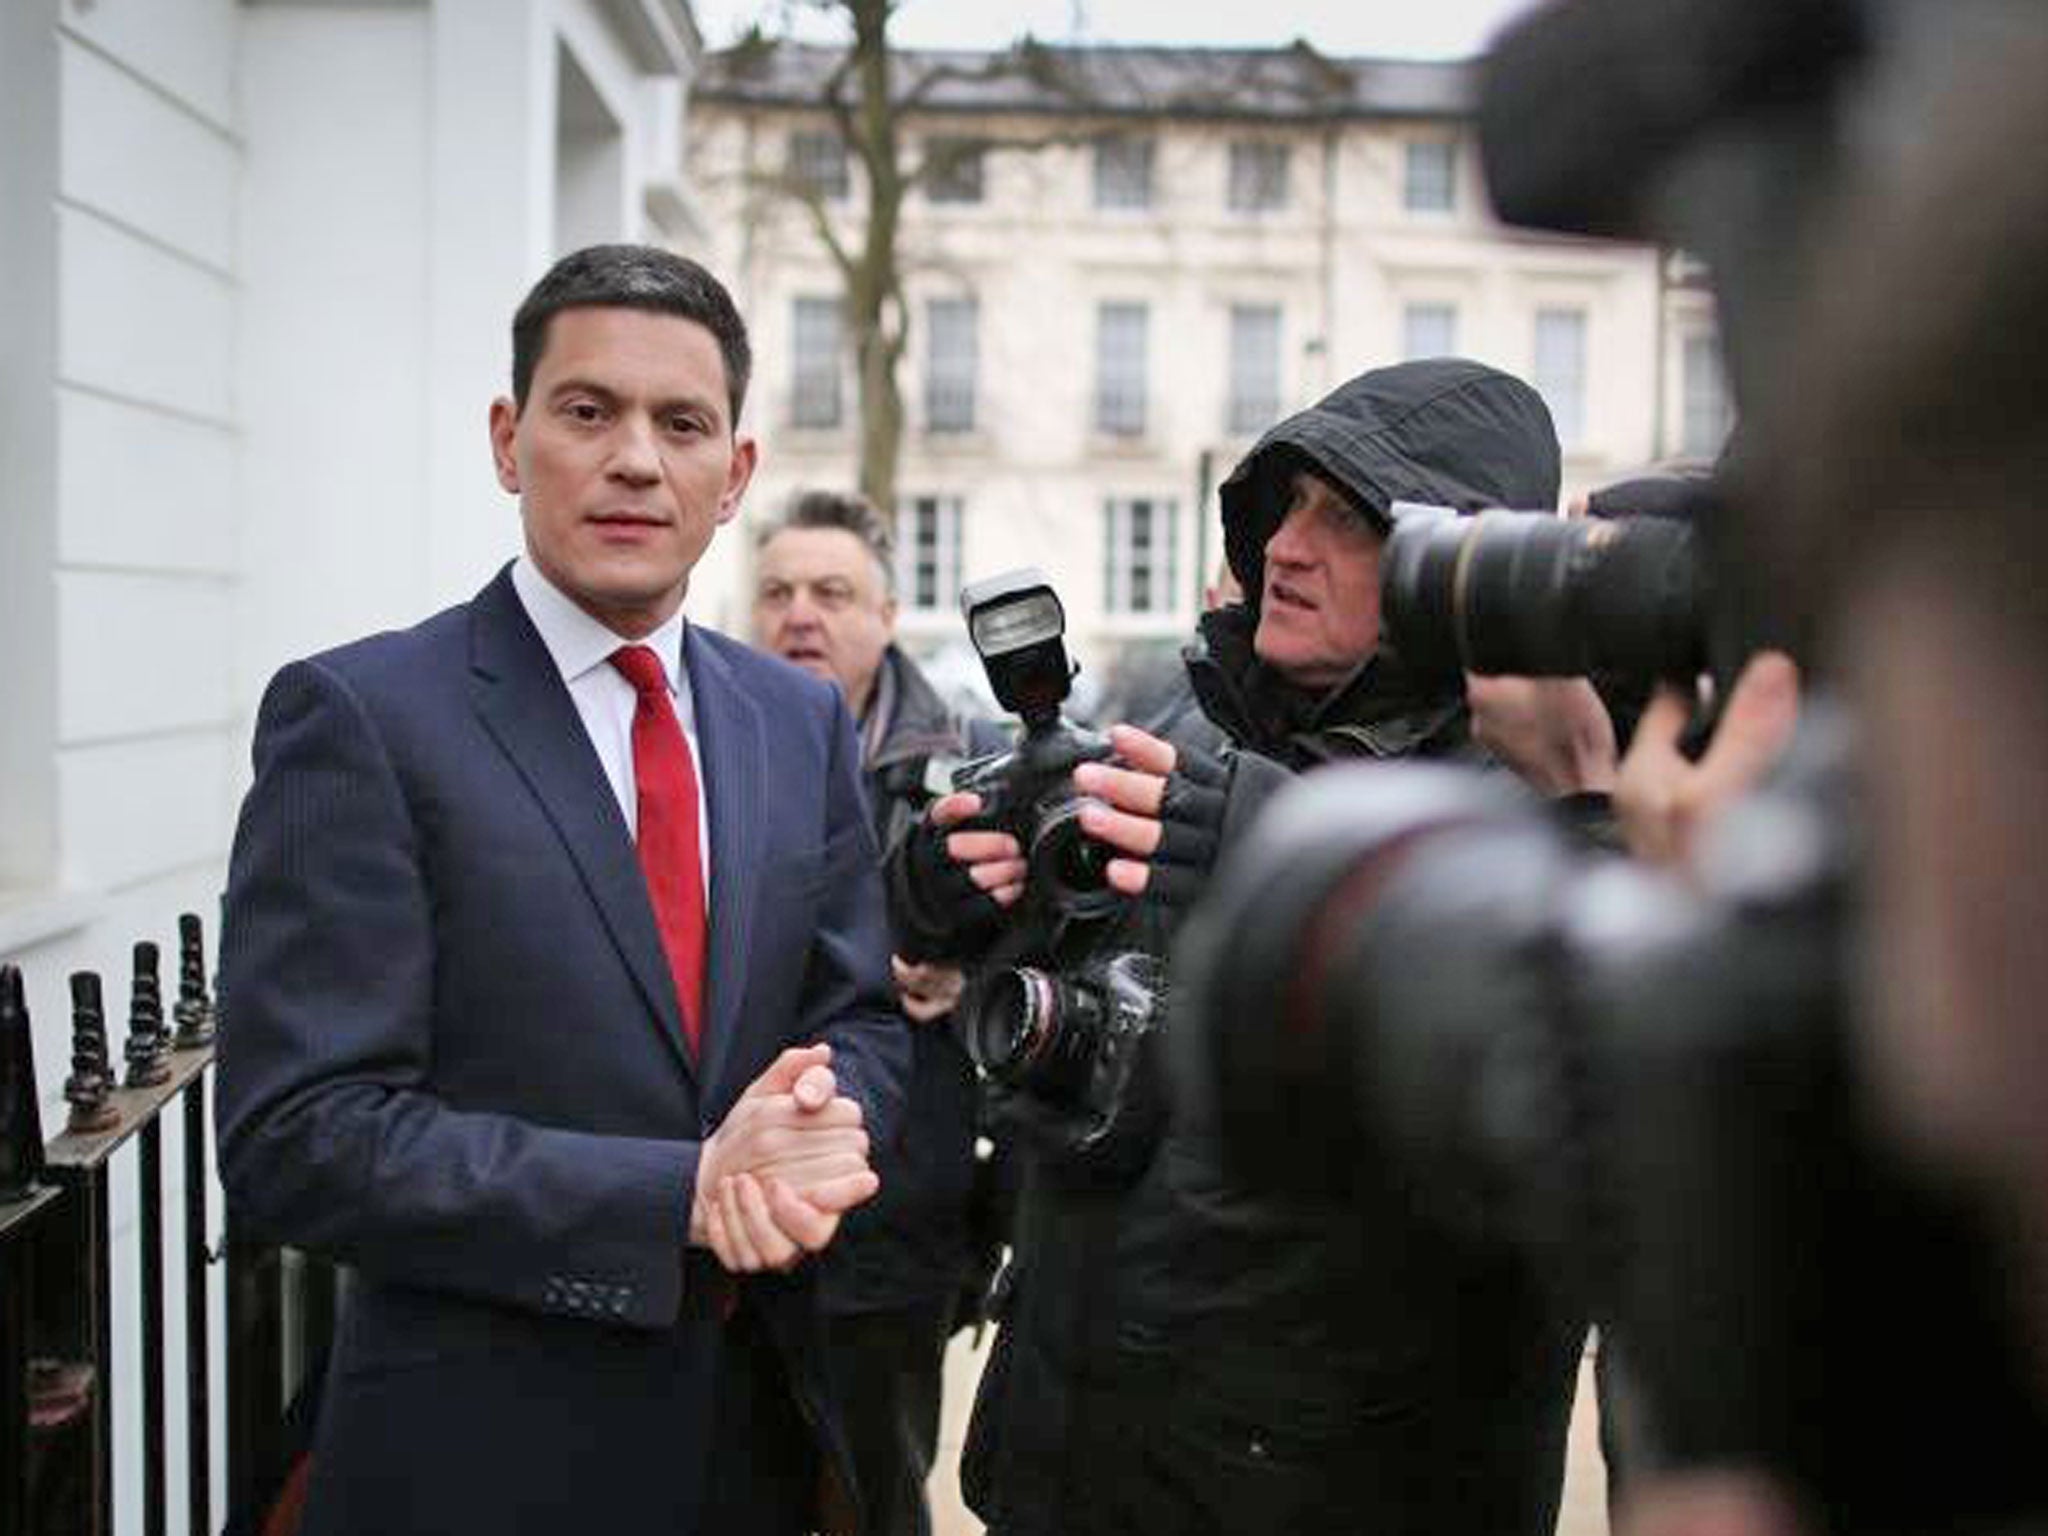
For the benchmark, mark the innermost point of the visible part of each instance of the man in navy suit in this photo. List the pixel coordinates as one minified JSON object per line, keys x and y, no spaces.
{"x":555,"y":983}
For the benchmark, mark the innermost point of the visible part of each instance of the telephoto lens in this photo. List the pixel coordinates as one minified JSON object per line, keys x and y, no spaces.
{"x":1531,"y":594}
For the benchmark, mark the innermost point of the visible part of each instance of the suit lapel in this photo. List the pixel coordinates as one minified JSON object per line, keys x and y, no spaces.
{"x":729,"y":741}
{"x":520,"y":697}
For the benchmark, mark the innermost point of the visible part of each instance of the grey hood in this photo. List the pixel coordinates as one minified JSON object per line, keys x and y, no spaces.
{"x":1445,"y":431}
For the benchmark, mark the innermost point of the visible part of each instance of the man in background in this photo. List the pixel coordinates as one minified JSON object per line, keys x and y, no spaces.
{"x":905,"y":1263}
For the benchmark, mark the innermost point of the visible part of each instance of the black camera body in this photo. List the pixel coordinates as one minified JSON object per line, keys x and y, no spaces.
{"x":1029,"y":793}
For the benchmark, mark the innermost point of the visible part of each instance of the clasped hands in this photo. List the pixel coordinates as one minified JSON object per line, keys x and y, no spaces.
{"x":783,"y":1167}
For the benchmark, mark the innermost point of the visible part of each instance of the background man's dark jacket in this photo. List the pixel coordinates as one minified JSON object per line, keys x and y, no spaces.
{"x":1182,"y":1356}
{"x":917,"y":1241}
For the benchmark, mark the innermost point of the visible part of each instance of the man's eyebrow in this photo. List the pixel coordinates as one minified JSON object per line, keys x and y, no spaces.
{"x":706,"y":403}
{"x":575,"y":386}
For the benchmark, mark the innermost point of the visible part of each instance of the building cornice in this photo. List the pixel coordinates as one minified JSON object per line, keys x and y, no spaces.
{"x":1295,"y":84}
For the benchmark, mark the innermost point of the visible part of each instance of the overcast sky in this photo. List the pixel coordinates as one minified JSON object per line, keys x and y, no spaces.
{"x":1423,"y":29}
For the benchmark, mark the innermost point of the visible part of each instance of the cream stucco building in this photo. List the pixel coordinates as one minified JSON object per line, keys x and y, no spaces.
{"x":1176,"y":247}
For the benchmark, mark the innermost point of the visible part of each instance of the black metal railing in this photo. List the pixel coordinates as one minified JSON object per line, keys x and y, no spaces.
{"x":57,"y":1260}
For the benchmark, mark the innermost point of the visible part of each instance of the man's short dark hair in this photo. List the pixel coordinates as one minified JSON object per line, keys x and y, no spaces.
{"x":845,"y":510}
{"x":631,"y":277}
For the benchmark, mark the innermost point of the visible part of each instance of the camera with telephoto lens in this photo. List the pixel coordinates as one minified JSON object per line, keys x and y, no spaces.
{"x":1411,"y":977}
{"x":1531,"y":594}
{"x":1071,"y":1038}
{"x":1055,"y":1010}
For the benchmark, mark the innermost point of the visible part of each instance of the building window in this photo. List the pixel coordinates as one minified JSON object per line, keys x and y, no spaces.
{"x":954,"y":174}
{"x":1254,"y":367}
{"x":815,"y":363}
{"x":1705,"y":399}
{"x":1430,"y":184}
{"x":1140,"y":555}
{"x":1561,"y":370}
{"x":1120,"y":369}
{"x":1258,"y":176}
{"x":817,"y":163}
{"x":928,"y":553}
{"x":1123,"y":172}
{"x":949,"y":364}
{"x":1429,"y":330}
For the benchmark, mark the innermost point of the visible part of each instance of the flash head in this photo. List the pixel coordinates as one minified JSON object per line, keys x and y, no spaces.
{"x":1016,"y":623}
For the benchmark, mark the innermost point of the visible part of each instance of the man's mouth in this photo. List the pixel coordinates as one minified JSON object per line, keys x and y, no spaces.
{"x":628,"y":518}
{"x":1281,"y":594}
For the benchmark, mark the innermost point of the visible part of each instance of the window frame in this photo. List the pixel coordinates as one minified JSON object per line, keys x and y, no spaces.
{"x":1414,"y":185}
{"x":1417,"y":309}
{"x":1138,"y":178}
{"x":834,"y":185}
{"x":809,"y":378}
{"x":1122,"y":403}
{"x":945,"y":546}
{"x":1245,"y":413}
{"x":957,"y":380}
{"x":1258,"y":177}
{"x":1566,"y":397}
{"x":1720,"y":408}
{"x":1120,"y":554}
{"x":939,"y":187}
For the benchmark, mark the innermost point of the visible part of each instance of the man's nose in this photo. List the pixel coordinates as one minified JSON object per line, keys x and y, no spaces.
{"x":1289,"y":544}
{"x":634,"y":457}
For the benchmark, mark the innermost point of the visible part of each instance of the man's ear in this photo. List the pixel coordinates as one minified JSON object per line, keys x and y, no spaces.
{"x":745,"y":454}
{"x":504,"y":449}
{"x":889,"y":616}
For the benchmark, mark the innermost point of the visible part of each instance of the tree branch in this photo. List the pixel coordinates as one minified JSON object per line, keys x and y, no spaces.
{"x":807,"y":197}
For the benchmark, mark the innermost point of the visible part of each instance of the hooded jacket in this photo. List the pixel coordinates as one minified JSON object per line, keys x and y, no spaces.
{"x":1370,"y":1372}
{"x":1446,"y":432}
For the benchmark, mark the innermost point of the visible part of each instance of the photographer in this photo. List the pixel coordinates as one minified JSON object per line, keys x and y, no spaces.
{"x":1178,"y":1354}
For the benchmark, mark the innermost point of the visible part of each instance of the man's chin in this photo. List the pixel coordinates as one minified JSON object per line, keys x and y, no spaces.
{"x":1294,"y":664}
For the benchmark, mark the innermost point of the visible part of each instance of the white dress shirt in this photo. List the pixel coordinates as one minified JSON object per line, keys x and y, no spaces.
{"x":582,"y":649}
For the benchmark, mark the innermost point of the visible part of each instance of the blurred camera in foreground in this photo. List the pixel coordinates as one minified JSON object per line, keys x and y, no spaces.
{"x":1646,"y":1088}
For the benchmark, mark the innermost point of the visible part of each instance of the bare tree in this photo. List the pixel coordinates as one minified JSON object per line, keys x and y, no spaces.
{"x":873,"y":92}
{"x":870,"y":107}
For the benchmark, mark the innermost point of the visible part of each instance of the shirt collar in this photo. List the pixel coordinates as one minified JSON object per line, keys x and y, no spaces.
{"x":578,"y":643}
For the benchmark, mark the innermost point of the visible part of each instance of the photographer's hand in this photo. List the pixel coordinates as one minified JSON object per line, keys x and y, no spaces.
{"x":992,"y":861}
{"x":1663,"y":800}
{"x":1163,"y":807}
{"x":1553,"y":732}
{"x":926,"y":991}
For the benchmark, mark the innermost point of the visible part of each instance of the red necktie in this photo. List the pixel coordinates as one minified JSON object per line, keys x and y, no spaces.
{"x":665,"y":785}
